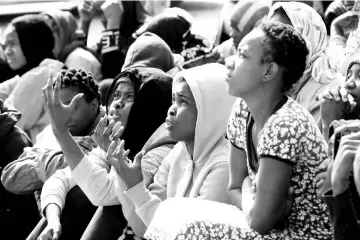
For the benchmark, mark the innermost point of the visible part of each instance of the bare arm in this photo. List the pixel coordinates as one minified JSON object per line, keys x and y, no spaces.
{"x":238,"y":172}
{"x":269,"y":205}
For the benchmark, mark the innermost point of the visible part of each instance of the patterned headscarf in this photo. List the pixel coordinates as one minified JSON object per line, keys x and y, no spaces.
{"x":309,"y":24}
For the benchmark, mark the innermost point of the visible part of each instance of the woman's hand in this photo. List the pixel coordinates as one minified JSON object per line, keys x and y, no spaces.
{"x":130,"y":172}
{"x":59,"y":113}
{"x":51,"y":232}
{"x":344,"y":24}
{"x":343,"y":164}
{"x":104,"y":133}
{"x":86,"y":10}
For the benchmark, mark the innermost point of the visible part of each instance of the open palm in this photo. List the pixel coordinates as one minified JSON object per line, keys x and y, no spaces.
{"x":59,"y":113}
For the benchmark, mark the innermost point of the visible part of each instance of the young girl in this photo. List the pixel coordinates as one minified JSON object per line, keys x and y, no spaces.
{"x":275,"y":146}
{"x":28,"y":50}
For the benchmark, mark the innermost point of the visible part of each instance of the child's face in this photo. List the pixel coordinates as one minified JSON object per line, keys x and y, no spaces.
{"x":353,"y":81}
{"x":122,"y":101}
{"x":182,"y":115}
{"x":13,"y":52}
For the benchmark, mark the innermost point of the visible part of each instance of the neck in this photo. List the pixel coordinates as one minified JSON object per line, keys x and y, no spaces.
{"x":262,"y":106}
{"x":190,"y":147}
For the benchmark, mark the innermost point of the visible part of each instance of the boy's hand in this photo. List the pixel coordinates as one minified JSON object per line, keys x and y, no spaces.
{"x":86,"y":10}
{"x":104,"y":133}
{"x":51,"y":232}
{"x":130,"y":172}
{"x":59,"y":113}
{"x":323,"y":179}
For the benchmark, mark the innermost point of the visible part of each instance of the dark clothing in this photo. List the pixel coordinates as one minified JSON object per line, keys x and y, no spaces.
{"x":16,"y":211}
{"x":344,"y":218}
{"x":152,"y":89}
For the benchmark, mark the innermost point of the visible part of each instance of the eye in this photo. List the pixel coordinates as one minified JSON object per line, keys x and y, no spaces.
{"x":116,"y":95}
{"x":131,"y":98}
{"x":173,"y":100}
{"x":183,"y":100}
{"x":349,"y":75}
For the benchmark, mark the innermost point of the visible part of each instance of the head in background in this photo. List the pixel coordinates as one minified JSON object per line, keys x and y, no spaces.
{"x":309,"y":24}
{"x":245,"y":15}
{"x":73,"y":82}
{"x":28,"y":41}
{"x":65,"y":31}
{"x":139,"y":98}
{"x":149,"y":50}
{"x":172,"y":25}
{"x":352,"y":83}
{"x":270,"y":59}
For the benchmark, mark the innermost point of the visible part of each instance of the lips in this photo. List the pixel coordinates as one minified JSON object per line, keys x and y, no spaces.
{"x":168,"y":123}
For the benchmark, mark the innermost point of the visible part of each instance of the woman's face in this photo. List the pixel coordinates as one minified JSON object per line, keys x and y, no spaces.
{"x":122,"y":101}
{"x":56,"y":33}
{"x":353,"y":81}
{"x":12,"y":49}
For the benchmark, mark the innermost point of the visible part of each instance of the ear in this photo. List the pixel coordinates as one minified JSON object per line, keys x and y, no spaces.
{"x":94,"y":106}
{"x":270,"y":71}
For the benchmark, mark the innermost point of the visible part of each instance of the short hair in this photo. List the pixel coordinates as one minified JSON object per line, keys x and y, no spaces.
{"x":83,"y":80}
{"x":284,"y":46}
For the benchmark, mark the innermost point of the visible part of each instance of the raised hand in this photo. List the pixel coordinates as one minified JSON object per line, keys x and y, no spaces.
{"x":130,"y":172}
{"x":59,"y":113}
{"x":113,"y":11}
{"x":105,"y":133}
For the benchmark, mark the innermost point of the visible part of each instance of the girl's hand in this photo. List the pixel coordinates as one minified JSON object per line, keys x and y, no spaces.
{"x":130,"y":172}
{"x":59,"y":113}
{"x":51,"y":232}
{"x":104,"y":133}
{"x":323,"y":179}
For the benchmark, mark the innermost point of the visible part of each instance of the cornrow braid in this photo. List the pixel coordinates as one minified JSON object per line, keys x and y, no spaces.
{"x":83,"y":80}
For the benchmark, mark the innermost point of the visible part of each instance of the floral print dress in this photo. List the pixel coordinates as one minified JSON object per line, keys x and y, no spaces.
{"x":289,"y":135}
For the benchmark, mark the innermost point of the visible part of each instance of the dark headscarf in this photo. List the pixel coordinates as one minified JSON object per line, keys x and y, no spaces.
{"x":170,"y":25}
{"x":36,"y":40}
{"x":152,"y":100}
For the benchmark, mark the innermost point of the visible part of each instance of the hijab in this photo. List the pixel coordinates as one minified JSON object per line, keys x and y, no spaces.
{"x":152,"y":100}
{"x":36,"y":40}
{"x":172,"y":26}
{"x":310,"y":25}
{"x":70,"y":38}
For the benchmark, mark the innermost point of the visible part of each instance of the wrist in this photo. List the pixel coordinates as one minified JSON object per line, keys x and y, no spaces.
{"x":339,"y":185}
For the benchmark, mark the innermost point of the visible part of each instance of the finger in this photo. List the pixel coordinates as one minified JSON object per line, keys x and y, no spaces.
{"x":115,"y":129}
{"x":112,"y":148}
{"x":120,"y":149}
{"x":57,"y":89}
{"x":319,"y":183}
{"x":335,"y":93}
{"x":47,"y":90}
{"x":109,"y":128}
{"x":327,"y":95}
{"x":100,"y":126}
{"x":344,"y":94}
{"x":75,"y":101}
{"x":119,"y":133}
{"x":138,"y":157}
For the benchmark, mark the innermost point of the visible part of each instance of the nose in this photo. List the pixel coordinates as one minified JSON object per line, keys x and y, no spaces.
{"x":230,"y":65}
{"x":172,"y":110}
{"x":119,"y":105}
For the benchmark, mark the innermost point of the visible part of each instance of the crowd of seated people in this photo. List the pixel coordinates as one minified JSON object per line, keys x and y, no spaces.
{"x":156,"y":132}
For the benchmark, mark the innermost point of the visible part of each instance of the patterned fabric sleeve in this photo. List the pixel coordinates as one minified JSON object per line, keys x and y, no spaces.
{"x":236,"y":129}
{"x":283,"y":136}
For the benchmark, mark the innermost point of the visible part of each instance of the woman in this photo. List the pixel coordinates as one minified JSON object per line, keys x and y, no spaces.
{"x":28,"y":50}
{"x":137,"y":103}
{"x":69,"y":44}
{"x":320,"y":72}
{"x":271,"y":164}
